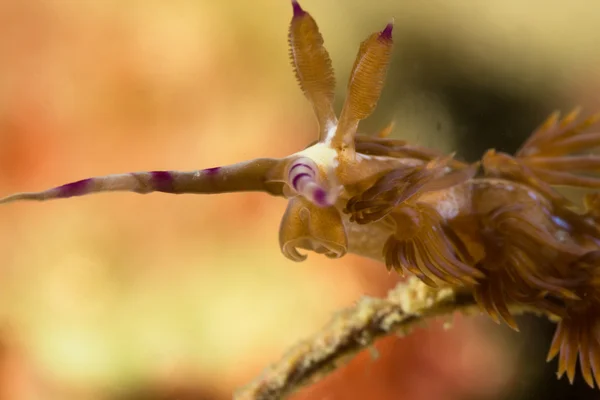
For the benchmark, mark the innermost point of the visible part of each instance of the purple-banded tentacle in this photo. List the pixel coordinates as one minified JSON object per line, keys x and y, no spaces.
{"x":254,"y":175}
{"x":303,"y":178}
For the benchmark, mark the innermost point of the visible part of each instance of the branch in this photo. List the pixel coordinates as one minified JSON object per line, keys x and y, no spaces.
{"x":351,"y":330}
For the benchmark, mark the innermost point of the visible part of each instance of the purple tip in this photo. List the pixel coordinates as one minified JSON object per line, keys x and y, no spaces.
{"x":320,"y":197}
{"x":74,"y":188}
{"x":162,"y":181}
{"x":386,"y":33}
{"x":298,"y":11}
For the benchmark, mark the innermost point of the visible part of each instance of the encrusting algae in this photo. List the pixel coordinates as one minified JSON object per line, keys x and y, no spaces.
{"x":496,"y":231}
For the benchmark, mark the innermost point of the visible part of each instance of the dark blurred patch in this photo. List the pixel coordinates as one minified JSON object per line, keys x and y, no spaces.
{"x":537,"y":336}
{"x":486,"y":109}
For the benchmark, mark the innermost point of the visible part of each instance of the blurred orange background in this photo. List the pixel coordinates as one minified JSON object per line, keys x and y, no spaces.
{"x":119,"y":296}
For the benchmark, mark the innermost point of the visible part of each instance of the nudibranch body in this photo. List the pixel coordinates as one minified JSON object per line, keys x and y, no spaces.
{"x":497,"y":227}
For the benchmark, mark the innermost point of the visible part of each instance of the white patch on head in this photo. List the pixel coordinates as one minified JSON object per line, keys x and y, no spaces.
{"x":331,"y":130}
{"x":323,"y":155}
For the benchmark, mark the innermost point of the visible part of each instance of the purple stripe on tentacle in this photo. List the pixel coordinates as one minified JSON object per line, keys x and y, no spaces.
{"x":297,"y":178}
{"x":301,"y":165}
{"x":74,"y":188}
{"x":162,"y":181}
{"x":212,"y":171}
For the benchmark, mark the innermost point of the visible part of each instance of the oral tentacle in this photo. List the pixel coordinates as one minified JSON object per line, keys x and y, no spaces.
{"x":254,"y":175}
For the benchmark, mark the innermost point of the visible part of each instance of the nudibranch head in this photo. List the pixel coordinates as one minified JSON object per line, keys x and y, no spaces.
{"x":316,"y":178}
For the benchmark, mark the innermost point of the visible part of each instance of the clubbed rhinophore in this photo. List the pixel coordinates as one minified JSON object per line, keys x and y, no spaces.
{"x":497,"y":228}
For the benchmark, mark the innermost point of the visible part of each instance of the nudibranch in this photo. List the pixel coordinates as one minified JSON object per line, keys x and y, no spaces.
{"x":497,"y":228}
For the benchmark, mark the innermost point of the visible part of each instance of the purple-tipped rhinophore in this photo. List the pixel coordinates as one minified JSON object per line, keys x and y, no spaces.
{"x":386,"y":33}
{"x":298,"y":11}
